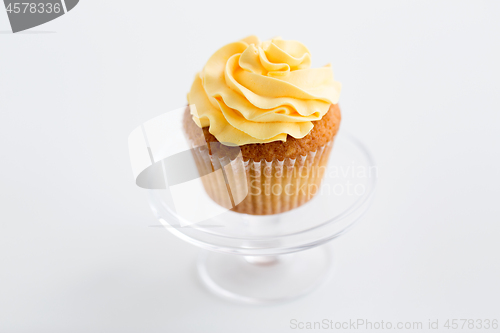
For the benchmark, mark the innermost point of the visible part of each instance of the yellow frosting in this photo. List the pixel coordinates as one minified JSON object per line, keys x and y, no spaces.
{"x":257,"y":92}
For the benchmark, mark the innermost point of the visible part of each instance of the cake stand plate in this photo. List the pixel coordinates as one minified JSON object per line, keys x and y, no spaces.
{"x":274,"y":258}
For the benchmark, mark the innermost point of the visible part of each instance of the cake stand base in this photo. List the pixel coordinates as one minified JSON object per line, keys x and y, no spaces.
{"x":265,"y":279}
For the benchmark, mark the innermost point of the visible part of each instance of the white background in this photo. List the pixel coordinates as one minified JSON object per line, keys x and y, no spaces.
{"x":421,"y":83}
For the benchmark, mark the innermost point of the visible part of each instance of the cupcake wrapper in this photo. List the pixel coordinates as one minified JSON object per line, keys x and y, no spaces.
{"x":262,"y":187}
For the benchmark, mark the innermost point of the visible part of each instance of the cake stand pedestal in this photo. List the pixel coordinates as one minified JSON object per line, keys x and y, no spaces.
{"x":265,"y":279}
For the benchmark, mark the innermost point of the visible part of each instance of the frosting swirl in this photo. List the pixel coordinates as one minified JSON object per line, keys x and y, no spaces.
{"x":257,"y":92}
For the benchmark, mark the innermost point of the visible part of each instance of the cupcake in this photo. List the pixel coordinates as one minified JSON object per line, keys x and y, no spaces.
{"x":281,"y":115}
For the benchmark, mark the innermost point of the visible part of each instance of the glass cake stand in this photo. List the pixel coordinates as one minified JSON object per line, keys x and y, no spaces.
{"x":273,"y":258}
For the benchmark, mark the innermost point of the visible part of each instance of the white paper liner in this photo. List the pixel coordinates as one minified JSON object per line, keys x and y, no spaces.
{"x":262,"y":187}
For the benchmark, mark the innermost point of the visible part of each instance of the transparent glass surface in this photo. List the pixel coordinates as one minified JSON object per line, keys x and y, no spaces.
{"x":250,"y":256}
